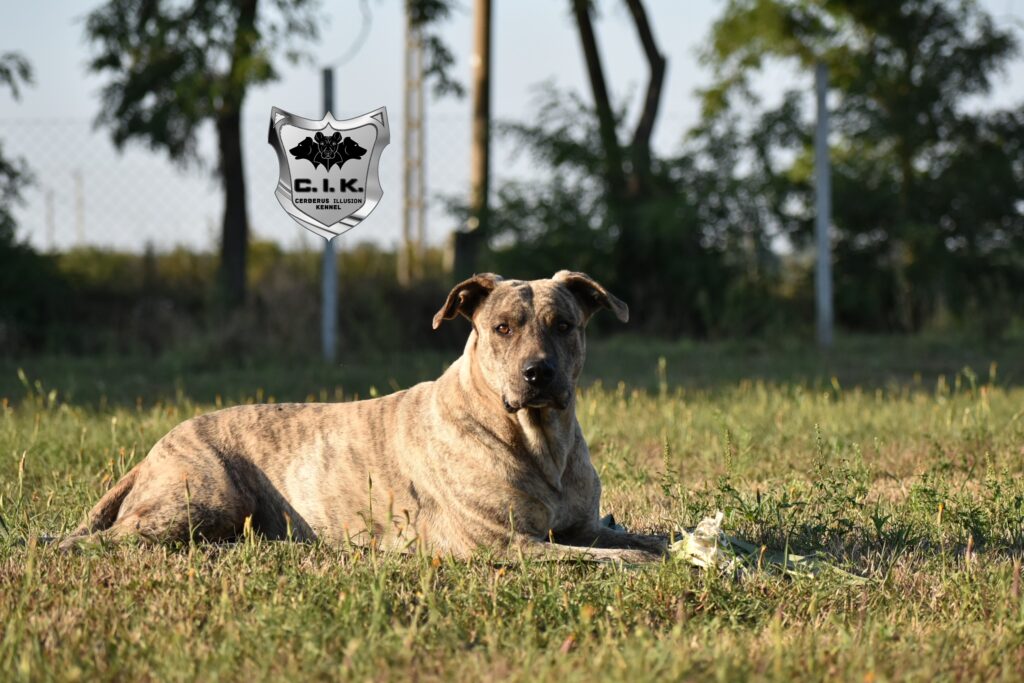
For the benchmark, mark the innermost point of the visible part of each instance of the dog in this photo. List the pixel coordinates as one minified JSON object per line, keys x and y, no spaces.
{"x":350,"y":149}
{"x":327,"y":150}
{"x":488,"y":456}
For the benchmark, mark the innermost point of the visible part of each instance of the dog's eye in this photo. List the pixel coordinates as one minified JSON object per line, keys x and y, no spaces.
{"x":563,"y":326}
{"x":503,"y":329}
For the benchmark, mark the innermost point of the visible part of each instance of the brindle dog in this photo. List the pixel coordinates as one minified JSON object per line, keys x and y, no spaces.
{"x":490,"y":455}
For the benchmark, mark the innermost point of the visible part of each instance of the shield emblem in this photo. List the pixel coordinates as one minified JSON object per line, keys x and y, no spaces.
{"x":329,"y":180}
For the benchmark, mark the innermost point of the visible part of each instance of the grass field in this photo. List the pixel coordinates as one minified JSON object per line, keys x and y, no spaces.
{"x":901,"y":461}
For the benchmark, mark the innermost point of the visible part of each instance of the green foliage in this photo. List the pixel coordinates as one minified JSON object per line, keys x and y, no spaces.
{"x":425,"y":15}
{"x":14,"y":176}
{"x":33,"y":299}
{"x":913,"y":483}
{"x":689,"y":256}
{"x":30,"y":293}
{"x":87,"y":301}
{"x":927,"y":193}
{"x":14,"y":70}
{"x":14,"y":173}
{"x":173,"y":66}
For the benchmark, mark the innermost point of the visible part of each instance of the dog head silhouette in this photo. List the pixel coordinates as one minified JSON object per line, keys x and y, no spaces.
{"x":328,"y":145}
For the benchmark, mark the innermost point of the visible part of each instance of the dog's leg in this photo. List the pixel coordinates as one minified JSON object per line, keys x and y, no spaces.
{"x":170,"y":497}
{"x":147,"y":529}
{"x":602,"y":537}
{"x":159,"y":521}
{"x":545,"y":551}
{"x":104,"y":513}
{"x":606,"y":537}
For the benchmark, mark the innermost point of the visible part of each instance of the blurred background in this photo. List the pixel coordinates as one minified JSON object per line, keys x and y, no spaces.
{"x":666,"y":148}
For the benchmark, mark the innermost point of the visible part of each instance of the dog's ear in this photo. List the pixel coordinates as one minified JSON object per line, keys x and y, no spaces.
{"x":319,"y":137}
{"x":466,"y":296}
{"x":591,"y":294}
{"x":336,"y":136}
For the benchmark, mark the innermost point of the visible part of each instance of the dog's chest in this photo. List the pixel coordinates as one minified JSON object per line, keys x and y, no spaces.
{"x":547,"y":507}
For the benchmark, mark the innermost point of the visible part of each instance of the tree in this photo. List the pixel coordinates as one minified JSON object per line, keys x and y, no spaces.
{"x":628,"y":175}
{"x":174,"y":66}
{"x":628,"y":170}
{"x":32,"y":293}
{"x":14,"y":173}
{"x":466,"y":243}
{"x":672,"y":234}
{"x":908,"y":153}
{"x":691,"y":256}
{"x":425,"y":16}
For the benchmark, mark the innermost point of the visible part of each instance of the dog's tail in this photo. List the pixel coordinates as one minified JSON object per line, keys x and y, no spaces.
{"x":104,"y":513}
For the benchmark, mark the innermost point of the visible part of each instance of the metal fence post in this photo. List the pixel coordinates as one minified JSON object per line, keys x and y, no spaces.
{"x":329,"y":271}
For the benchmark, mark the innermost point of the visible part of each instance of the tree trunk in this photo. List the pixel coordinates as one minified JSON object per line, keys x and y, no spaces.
{"x":641,"y":147}
{"x":467,"y":243}
{"x":602,"y":102}
{"x":899,"y":252}
{"x":628,"y":185}
{"x":235,"y":226}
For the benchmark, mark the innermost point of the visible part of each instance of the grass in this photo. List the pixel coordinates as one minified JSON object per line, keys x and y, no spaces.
{"x":901,"y":461}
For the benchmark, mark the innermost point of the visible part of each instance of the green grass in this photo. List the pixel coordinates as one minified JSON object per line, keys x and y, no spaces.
{"x":901,"y":461}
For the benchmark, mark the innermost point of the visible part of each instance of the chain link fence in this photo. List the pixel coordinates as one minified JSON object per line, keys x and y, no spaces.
{"x":87,"y":193}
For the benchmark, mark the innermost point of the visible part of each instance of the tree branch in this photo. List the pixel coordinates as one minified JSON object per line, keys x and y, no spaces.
{"x":602,"y":104}
{"x":652,"y":100}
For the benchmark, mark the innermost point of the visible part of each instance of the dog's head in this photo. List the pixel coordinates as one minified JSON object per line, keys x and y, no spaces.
{"x":350,"y":149}
{"x":328,"y":145}
{"x":529,"y":335}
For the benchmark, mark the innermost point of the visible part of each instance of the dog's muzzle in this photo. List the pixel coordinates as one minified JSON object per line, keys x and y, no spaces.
{"x":538,"y":399}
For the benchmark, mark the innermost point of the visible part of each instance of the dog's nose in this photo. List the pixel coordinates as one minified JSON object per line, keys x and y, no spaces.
{"x":539,"y":373}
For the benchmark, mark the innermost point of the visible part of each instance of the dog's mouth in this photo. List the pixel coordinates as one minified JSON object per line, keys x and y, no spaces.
{"x":537,"y":400}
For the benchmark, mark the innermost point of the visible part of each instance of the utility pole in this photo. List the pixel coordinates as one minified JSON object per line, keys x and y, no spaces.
{"x":467,"y":243}
{"x":329,"y":271}
{"x":78,"y":179}
{"x":51,"y":224}
{"x":823,"y":211}
{"x":410,"y":252}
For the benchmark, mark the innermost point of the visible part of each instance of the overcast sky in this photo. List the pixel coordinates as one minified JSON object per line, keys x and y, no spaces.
{"x":88,"y":193}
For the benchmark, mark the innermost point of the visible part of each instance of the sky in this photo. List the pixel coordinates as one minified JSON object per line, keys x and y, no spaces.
{"x":87,"y":193}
